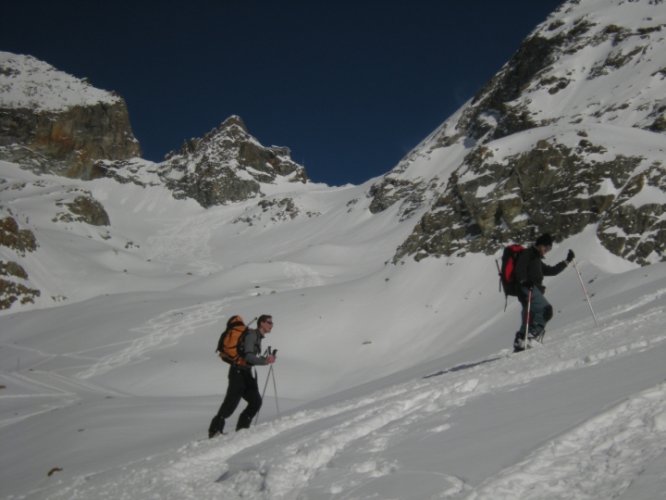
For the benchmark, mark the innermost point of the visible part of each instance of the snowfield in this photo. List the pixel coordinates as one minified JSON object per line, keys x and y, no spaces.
{"x":582,"y":416}
{"x":394,"y":381}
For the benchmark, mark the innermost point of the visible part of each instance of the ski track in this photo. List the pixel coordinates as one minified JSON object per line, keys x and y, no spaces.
{"x":160,"y":332}
{"x":60,"y":392}
{"x":167,"y":328}
{"x":577,"y":464}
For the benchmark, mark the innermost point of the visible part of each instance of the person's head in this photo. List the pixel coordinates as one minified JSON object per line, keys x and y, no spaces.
{"x":544,"y":243}
{"x":265,"y":323}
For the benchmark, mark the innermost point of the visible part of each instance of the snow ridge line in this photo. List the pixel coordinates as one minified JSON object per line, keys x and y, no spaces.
{"x":617,"y":444}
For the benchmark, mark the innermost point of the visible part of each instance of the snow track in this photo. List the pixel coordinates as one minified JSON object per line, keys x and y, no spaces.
{"x":164,"y":330}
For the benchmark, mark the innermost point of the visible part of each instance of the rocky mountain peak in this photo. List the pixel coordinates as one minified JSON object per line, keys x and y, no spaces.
{"x":234,"y":121}
{"x":226,"y":165}
{"x":53,"y":122}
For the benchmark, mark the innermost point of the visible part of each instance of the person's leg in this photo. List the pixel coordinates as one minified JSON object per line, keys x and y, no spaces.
{"x":253,"y":398}
{"x":519,"y":339}
{"x":541,"y":312}
{"x":235,"y":391}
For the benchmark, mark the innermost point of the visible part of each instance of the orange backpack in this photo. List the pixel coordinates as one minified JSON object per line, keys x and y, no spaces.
{"x":230,"y":345}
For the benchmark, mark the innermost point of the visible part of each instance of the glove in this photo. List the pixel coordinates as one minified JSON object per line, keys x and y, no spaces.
{"x":270,"y":359}
{"x":570,"y":256}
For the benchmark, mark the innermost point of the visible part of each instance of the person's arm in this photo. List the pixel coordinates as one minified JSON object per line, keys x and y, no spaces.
{"x":553,"y":270}
{"x":559,"y":267}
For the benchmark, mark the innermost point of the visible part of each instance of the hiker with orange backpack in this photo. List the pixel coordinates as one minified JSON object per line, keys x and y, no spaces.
{"x":529,"y":273}
{"x":240,"y":346}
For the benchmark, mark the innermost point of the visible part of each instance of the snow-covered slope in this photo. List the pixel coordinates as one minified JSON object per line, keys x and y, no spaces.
{"x":117,"y":391}
{"x":393,"y":381}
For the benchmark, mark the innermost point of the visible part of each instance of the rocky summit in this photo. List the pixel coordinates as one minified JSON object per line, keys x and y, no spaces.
{"x":227,"y":165}
{"x":53,"y":122}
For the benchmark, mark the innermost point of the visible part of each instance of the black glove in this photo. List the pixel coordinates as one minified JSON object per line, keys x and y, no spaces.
{"x":570,"y":256}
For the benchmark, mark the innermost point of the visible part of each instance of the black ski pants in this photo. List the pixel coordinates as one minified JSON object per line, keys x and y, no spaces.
{"x":242,"y":385}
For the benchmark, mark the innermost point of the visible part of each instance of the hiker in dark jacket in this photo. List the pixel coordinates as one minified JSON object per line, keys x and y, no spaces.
{"x":530,"y":271}
{"x":242,"y":382}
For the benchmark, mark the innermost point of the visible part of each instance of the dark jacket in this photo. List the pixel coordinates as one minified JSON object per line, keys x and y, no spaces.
{"x":252,"y":345}
{"x":530,"y":268}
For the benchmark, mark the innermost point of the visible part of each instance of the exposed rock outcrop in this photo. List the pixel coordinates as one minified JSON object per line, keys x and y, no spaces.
{"x":13,"y":277}
{"x":19,"y":240}
{"x":83,"y":208}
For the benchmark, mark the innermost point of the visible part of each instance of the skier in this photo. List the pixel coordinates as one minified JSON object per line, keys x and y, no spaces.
{"x":530,"y":270}
{"x":242,"y":382}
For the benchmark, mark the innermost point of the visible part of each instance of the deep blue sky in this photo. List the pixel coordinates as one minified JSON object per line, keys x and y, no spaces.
{"x":349,"y":85}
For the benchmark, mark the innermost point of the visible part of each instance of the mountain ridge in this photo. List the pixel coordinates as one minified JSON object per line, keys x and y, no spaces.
{"x":588,"y":65}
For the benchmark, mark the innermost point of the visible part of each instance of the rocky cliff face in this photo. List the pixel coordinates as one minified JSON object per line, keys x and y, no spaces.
{"x":53,"y":122}
{"x":568,"y":134}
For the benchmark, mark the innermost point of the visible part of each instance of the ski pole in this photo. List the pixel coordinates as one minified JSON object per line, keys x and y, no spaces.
{"x":527,"y":316}
{"x":268,"y":376}
{"x":587,"y":296}
{"x":263,"y":393}
{"x":272,"y":372}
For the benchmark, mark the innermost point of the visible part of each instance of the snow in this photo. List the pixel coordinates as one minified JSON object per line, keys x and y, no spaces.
{"x":393,"y":381}
{"x":27,"y":82}
{"x":647,"y":196}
